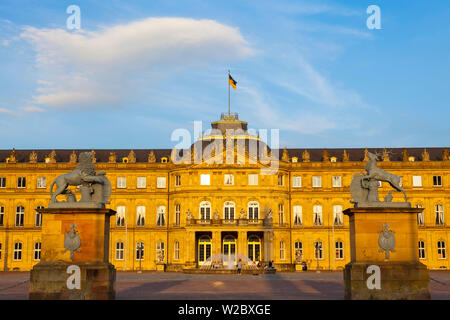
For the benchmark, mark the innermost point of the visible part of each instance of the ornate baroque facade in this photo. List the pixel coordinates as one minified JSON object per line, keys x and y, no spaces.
{"x":184,"y":213}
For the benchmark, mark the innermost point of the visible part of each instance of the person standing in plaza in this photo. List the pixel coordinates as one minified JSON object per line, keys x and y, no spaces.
{"x":239,"y":267}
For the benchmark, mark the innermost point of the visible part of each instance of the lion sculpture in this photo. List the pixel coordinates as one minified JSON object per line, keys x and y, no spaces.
{"x":94,"y":186}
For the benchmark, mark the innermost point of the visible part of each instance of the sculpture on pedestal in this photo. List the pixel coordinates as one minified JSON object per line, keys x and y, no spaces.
{"x":94,"y":187}
{"x":364,"y":186}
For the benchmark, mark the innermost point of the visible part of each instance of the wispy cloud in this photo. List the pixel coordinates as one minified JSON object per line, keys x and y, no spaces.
{"x":96,"y":68}
{"x":7,"y":112}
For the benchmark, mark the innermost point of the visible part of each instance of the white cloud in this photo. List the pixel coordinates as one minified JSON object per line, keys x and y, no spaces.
{"x":7,"y":111}
{"x":88,"y":68}
{"x":33,"y":109}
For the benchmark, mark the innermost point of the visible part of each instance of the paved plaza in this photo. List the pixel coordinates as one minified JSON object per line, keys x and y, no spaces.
{"x":179,"y":286}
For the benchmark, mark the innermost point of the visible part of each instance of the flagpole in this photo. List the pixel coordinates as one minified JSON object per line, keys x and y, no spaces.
{"x":229,"y":92}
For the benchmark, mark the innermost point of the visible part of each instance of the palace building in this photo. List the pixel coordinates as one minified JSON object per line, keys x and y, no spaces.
{"x":219,"y":200}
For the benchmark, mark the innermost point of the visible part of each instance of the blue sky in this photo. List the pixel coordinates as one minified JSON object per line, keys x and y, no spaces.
{"x":137,"y":70}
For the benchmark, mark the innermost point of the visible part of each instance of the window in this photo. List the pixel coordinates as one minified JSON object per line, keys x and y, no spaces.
{"x":20,"y":213}
{"x":338,"y":218}
{"x":339,"y":246}
{"x":333,"y":159}
{"x":177,"y":180}
{"x":176,"y":251}
{"x":280,"y":179}
{"x":439,"y":213}
{"x":337,"y":181}
{"x":294,"y":159}
{"x":282,"y":251}
{"x":228,"y":210}
{"x":253,"y":209}
{"x":318,"y":250}
{"x":41,"y":182}
{"x":0,"y":251}
{"x":417,"y":181}
{"x":422,"y":249}
{"x":139,"y":251}
{"x":2,"y":214}
{"x":228,"y":180}
{"x":119,"y":250}
{"x":441,"y":250}
{"x":281,"y":213}
{"x":2,"y":182}
{"x":298,"y":250}
{"x":204,"y":179}
{"x":161,"y":182}
{"x":160,"y":251}
{"x":120,"y":216}
{"x":437,"y":181}
{"x":121,"y":182}
{"x":205,"y":210}
{"x":38,"y":217}
{"x":317,"y":181}
{"x":317,"y":211}
{"x":296,"y":181}
{"x":253,"y":179}
{"x":161,"y":216}
{"x":298,"y":215}
{"x":411,"y":159}
{"x":420,"y":216}
{"x":140,"y":216}
{"x":177,"y":214}
{"x":17,"y":251}
{"x":37,"y":251}
{"x":21,"y":182}
{"x":141,"y":182}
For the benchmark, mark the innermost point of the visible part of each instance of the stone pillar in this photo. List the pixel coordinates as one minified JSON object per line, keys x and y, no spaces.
{"x":75,"y":256}
{"x":190,"y":250}
{"x":268,"y":246}
{"x":384,"y":246}
{"x":242,"y":243}
{"x":216,"y":243}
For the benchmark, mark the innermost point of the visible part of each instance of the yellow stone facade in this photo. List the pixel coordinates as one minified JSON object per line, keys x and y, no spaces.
{"x":173,"y":189}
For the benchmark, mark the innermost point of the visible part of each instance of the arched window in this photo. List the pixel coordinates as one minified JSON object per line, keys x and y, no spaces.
{"x":140,"y":250}
{"x":17,"y":251}
{"x":20,"y":213}
{"x":140,"y":216}
{"x":439,"y":213}
{"x":442,"y":254}
{"x":228,"y":210}
{"x":338,"y":218}
{"x":422,"y":252}
{"x":120,"y":216}
{"x":298,"y":215}
{"x":281,"y":213}
{"x":176,"y":251}
{"x":37,"y":251}
{"x":254,"y":248}
{"x":253,"y":210}
{"x":317,"y":211}
{"x":38,"y":217}
{"x":205,"y":210}
{"x":161,"y":216}
{"x":119,"y":250}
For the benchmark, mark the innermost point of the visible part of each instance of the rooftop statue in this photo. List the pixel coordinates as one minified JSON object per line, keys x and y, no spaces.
{"x":94,"y":187}
{"x":364,"y":186}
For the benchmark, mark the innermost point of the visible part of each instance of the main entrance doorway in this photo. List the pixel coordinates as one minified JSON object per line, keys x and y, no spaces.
{"x":254,"y":249}
{"x":204,"y":249}
{"x":229,"y":251}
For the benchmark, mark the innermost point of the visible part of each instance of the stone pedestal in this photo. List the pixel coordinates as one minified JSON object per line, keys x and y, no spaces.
{"x":53,"y":277}
{"x":401,"y":274}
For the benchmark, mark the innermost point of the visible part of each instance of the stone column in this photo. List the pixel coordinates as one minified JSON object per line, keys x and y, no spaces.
{"x":216,"y":243}
{"x":190,"y":250}
{"x":268,"y":246}
{"x":242,"y":243}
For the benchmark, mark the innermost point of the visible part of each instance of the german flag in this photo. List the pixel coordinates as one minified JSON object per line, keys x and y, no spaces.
{"x":232,"y":82}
